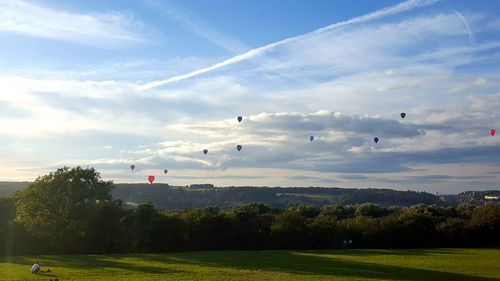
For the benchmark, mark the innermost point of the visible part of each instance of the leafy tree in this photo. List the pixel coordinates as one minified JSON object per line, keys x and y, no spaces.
{"x":308,"y":211}
{"x":338,"y":211}
{"x":7,"y":210}
{"x":484,"y":226}
{"x":369,"y":210}
{"x":453,"y":233}
{"x":323,"y":232}
{"x":107,"y":232}
{"x":419,"y":226}
{"x":251,"y":226}
{"x":7,"y":213}
{"x":59,"y":206}
{"x":465,"y":210}
{"x":289,"y":230}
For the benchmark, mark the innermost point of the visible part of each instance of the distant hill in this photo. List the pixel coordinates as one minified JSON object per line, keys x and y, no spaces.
{"x":168,"y":197}
{"x":7,"y":188}
{"x":473,"y":197}
{"x":175,"y":198}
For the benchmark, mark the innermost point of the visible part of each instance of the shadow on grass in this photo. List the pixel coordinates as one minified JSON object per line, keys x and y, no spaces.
{"x":308,"y":263}
{"x":293,"y":262}
{"x":88,"y":262}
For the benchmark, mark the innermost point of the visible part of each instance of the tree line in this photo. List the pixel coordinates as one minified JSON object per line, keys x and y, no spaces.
{"x":71,"y":211}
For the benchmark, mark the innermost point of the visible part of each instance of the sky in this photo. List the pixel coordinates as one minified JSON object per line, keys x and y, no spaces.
{"x":153,"y":83}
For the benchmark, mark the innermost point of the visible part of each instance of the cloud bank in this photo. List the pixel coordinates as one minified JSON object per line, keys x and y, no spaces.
{"x":343,"y":84}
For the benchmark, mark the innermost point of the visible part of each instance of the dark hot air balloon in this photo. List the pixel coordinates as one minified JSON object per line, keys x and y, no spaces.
{"x":375,"y":140}
{"x":403,"y":115}
{"x":239,"y":147}
{"x":205,"y":151}
{"x":492,"y":132}
{"x":151,"y":179}
{"x":239,"y":118}
{"x":311,"y":138}
{"x":165,"y":171}
{"x":132,"y":167}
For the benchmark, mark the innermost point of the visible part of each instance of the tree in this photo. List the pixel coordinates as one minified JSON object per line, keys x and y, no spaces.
{"x":339,"y":212}
{"x":7,"y":213}
{"x":289,"y":230}
{"x":323,"y":232}
{"x":484,"y":226}
{"x":59,"y":206}
{"x":252,"y":226}
{"x":418,"y":226}
{"x":370,"y":210}
{"x":108,"y":232}
{"x":7,"y":210}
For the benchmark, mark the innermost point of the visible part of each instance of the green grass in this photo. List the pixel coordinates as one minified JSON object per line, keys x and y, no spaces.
{"x":422,"y":264}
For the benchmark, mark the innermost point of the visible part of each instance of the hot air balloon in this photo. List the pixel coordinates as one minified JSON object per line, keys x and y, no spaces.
{"x":205,"y":151}
{"x":165,"y":171}
{"x":239,"y":147}
{"x":375,"y":139}
{"x":151,"y":179}
{"x":132,"y":167}
{"x":311,"y":138}
{"x":492,"y":132}
{"x":403,"y":115}
{"x":239,"y":118}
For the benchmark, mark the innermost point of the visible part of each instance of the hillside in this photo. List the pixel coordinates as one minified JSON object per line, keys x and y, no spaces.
{"x":7,"y":187}
{"x":200,"y":196}
{"x":176,"y":198}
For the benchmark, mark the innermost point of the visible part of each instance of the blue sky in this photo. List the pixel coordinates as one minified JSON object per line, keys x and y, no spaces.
{"x":153,"y":83}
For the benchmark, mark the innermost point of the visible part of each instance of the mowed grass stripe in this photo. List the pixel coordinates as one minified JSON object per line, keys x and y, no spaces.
{"x":419,"y":264}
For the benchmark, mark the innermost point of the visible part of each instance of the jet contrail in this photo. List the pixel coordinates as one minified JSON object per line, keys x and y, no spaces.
{"x":203,"y":29}
{"x":197,"y":25}
{"x":399,"y":8}
{"x":465,"y":23}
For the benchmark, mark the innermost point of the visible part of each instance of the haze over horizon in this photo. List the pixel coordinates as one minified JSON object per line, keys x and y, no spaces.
{"x":154,"y":83}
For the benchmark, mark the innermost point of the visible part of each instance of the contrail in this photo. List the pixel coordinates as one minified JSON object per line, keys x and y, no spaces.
{"x":197,"y":25}
{"x":465,"y":23}
{"x":399,"y":8}
{"x":200,"y":27}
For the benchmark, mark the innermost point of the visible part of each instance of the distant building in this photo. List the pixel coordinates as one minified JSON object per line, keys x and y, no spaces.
{"x":491,"y":199}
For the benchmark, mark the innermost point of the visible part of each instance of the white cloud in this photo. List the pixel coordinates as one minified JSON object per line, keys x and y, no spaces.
{"x":103,"y":29}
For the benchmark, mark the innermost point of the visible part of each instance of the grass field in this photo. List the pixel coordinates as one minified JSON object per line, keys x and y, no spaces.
{"x":422,"y":264}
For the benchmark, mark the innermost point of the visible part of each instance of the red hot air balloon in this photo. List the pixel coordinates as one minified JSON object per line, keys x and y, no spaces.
{"x":151,"y":179}
{"x":239,"y":147}
{"x":205,"y":151}
{"x":492,"y":132}
{"x":239,"y":118}
{"x":132,"y":167}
